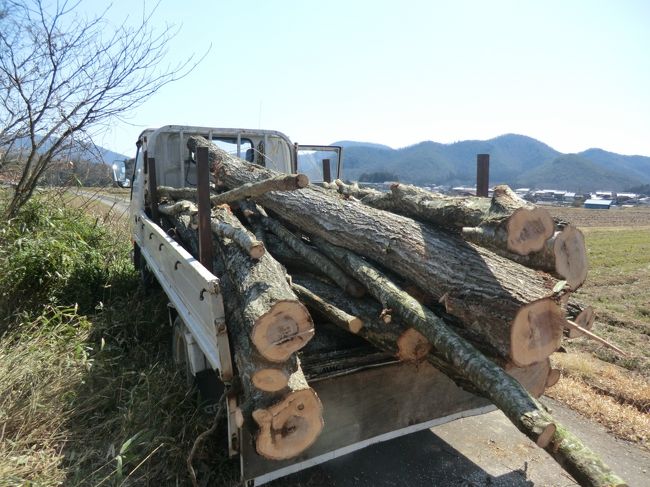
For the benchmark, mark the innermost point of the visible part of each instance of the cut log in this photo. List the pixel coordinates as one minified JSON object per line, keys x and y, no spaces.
{"x":287,"y":412}
{"x":529,"y":416}
{"x":314,"y":257}
{"x":177,"y":208}
{"x":571,"y":256}
{"x":289,"y":427}
{"x":553,"y":377}
{"x":482,"y":289}
{"x":185,"y":193}
{"x":534,"y":377}
{"x":280,"y":182}
{"x":505,"y":222}
{"x":283,"y":182}
{"x":275,"y":395}
{"x":281,"y":324}
{"x":224,"y":224}
{"x":564,"y":254}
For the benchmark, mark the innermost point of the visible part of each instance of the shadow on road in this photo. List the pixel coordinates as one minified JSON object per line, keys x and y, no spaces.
{"x":419,"y":459}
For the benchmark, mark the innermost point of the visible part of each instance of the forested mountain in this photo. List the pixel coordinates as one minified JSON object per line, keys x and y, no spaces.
{"x":514,"y":159}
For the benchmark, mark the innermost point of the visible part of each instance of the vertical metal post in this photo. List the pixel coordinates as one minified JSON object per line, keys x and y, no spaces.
{"x":203,"y":196}
{"x":482,"y":174}
{"x":153,"y":189}
{"x":327,"y":174}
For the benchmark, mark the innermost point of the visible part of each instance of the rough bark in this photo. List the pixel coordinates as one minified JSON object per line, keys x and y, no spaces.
{"x":505,"y":223}
{"x":224,"y":224}
{"x":485,"y":291}
{"x":280,"y":182}
{"x":281,"y":325}
{"x":397,"y":338}
{"x":287,"y":412}
{"x":276,"y":396}
{"x":528,"y":415}
{"x":314,"y":257}
{"x":564,"y":255}
{"x":177,"y":208}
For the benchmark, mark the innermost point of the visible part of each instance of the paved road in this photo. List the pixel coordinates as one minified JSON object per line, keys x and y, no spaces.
{"x":481,"y":451}
{"x":120,"y":203}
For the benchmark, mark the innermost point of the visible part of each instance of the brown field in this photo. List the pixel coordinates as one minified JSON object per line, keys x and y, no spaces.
{"x":615,"y":217}
{"x":604,"y":386}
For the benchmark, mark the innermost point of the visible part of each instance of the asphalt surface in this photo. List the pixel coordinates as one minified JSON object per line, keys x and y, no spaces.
{"x":485,"y":450}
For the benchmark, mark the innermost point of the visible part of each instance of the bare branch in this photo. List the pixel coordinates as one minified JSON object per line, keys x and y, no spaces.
{"x":62,"y":74}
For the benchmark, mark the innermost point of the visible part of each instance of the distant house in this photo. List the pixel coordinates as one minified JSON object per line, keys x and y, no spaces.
{"x":598,"y":204}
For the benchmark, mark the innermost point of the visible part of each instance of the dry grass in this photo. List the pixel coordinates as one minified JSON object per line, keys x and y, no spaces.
{"x":603,"y":386}
{"x":94,"y":398}
{"x":607,"y":379}
{"x":622,"y":420}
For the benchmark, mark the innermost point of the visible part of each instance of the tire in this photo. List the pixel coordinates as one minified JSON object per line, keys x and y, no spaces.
{"x":179,"y":351}
{"x":147,"y":278}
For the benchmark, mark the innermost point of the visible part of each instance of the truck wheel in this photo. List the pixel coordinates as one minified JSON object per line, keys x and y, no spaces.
{"x":179,"y":351}
{"x":147,"y":278}
{"x":209,"y":387}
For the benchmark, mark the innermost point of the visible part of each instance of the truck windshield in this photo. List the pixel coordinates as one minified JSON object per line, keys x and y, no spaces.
{"x":229,"y":144}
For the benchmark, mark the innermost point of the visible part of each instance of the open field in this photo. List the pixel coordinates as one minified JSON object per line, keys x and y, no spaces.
{"x":614,"y":217}
{"x":613,"y":390}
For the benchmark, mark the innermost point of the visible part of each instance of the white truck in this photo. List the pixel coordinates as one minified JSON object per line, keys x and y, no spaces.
{"x":367,"y":395}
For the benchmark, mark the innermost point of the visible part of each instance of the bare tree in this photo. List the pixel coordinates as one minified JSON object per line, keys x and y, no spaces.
{"x":64,"y":76}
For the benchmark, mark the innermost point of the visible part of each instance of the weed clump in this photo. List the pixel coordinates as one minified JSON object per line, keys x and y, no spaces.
{"x":88,"y":391}
{"x":59,"y":256}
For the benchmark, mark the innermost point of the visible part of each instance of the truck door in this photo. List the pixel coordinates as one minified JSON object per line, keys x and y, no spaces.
{"x":319,"y":162}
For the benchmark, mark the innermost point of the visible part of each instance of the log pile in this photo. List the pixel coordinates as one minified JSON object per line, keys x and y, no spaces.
{"x":468,"y":284}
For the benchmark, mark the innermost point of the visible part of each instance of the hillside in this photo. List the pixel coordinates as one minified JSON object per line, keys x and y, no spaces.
{"x":577,"y":173}
{"x":79,"y":151}
{"x":514,"y":159}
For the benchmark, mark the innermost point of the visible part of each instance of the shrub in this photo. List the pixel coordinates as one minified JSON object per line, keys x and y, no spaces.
{"x":58,"y":255}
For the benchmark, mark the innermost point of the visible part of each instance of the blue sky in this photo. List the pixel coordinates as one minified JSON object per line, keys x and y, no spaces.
{"x":574,"y":74}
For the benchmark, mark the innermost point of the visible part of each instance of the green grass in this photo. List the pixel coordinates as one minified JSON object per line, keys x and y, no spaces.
{"x":88,"y":391}
{"x":617,"y":286}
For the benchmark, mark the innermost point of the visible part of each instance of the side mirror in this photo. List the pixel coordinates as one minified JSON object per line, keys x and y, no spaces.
{"x":119,"y":174}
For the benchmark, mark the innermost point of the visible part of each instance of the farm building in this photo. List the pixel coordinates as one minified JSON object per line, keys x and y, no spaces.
{"x":598,"y":204}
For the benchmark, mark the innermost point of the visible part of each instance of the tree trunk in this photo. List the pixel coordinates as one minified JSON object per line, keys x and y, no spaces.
{"x":485,"y":291}
{"x":315,"y":258}
{"x":281,"y":325}
{"x":505,"y":392}
{"x":287,"y":412}
{"x":397,"y":338}
{"x":564,"y":254}
{"x":506,"y":224}
{"x":281,"y":182}
{"x":226,"y":225}
{"x":275,"y":394}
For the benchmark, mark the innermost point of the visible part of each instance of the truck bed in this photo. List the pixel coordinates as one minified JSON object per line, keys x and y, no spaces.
{"x":367,"y":397}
